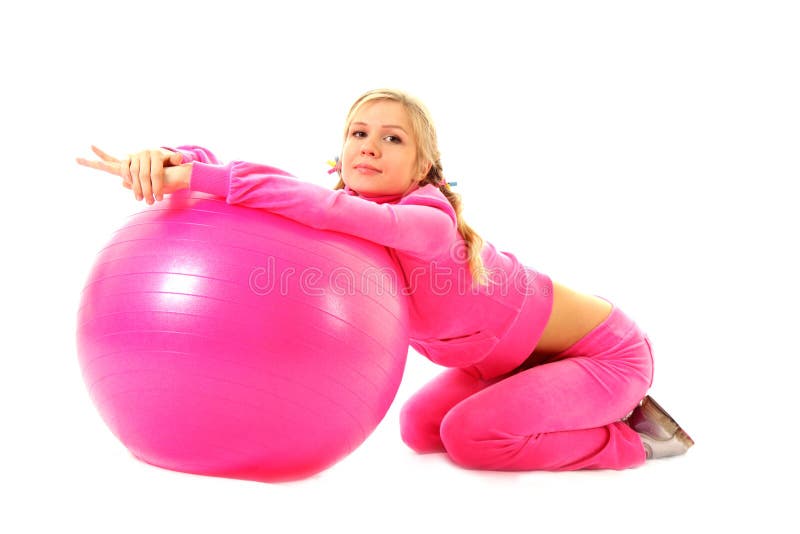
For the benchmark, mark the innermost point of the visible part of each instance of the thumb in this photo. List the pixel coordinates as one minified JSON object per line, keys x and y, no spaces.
{"x":176,"y":158}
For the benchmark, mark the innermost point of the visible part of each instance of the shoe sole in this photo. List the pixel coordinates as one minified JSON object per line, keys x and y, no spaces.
{"x":655,"y":412}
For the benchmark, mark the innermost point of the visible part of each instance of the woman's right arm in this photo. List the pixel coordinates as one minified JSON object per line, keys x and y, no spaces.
{"x":422,"y":224}
{"x":152,"y":173}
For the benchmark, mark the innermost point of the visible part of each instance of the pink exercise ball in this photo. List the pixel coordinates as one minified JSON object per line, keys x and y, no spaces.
{"x":228,"y":341}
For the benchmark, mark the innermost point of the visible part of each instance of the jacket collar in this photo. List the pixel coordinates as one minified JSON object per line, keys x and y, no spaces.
{"x":382,"y":199}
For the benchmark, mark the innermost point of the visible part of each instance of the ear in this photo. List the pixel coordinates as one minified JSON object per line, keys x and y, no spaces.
{"x":424,"y":170}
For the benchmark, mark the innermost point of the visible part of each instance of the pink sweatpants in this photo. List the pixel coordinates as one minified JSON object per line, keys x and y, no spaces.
{"x":562,"y":414}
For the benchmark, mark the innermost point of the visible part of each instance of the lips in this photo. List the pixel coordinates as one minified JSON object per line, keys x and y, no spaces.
{"x":368,"y":169}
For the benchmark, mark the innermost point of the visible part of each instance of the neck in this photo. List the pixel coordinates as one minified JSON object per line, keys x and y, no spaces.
{"x":382,"y":198}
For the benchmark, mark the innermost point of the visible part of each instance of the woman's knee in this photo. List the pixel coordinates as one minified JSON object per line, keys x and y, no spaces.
{"x":421,"y":415}
{"x":462,"y":440}
{"x":475,"y":443}
{"x":419,"y":428}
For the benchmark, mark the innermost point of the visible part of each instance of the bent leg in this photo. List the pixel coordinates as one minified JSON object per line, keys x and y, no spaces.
{"x":421,"y":416}
{"x":562,"y":415}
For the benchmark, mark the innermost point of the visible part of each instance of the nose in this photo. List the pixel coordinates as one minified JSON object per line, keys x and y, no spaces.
{"x":368,"y":148}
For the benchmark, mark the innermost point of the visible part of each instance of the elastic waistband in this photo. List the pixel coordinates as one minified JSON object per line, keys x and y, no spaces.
{"x":614,"y":328}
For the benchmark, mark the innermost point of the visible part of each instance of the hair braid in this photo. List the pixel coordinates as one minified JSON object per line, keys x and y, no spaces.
{"x":473,"y":241}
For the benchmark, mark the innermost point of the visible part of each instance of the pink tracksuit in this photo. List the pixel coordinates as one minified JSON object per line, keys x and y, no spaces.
{"x":498,"y":408}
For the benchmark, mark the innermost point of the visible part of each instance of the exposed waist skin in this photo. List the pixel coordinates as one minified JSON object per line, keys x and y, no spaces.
{"x":573,"y":316}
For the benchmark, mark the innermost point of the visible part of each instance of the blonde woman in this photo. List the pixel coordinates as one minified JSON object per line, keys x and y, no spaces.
{"x":542,"y":377}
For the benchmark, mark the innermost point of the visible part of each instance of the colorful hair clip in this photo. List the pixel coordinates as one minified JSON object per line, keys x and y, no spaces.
{"x":336,"y":165}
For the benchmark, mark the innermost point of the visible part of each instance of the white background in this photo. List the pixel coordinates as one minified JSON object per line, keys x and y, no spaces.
{"x":637,"y":150}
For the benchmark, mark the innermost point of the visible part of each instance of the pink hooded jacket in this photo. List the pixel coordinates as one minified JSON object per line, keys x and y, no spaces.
{"x":452,"y":322}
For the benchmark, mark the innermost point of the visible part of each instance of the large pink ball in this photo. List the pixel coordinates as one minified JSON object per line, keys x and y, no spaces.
{"x":229,"y":341}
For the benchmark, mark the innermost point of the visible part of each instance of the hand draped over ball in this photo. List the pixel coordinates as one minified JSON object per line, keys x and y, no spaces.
{"x":150,"y":173}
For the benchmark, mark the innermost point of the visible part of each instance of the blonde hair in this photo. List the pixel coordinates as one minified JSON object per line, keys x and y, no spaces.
{"x":427,"y":154}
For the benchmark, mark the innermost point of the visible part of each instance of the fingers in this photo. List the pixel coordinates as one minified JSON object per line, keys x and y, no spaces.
{"x":103,"y":155}
{"x":143,"y":173}
{"x":144,"y":176}
{"x":113,"y":168}
{"x":125,"y":173}
{"x":133,"y":172}
{"x":147,"y":174}
{"x":108,"y":164}
{"x":157,"y":174}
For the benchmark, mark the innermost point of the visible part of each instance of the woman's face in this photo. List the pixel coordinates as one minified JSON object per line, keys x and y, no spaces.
{"x":380,"y":152}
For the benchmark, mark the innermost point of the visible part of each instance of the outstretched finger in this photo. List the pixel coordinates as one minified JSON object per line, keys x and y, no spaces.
{"x":103,"y":155}
{"x":112,"y":168}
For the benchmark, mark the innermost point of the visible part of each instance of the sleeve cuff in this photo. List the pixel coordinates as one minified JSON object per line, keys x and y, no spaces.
{"x":212,"y":179}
